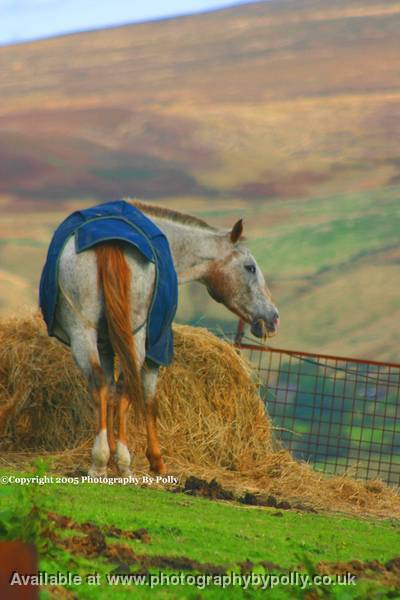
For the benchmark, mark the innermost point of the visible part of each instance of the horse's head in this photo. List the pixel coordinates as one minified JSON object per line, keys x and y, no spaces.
{"x":236,"y":281}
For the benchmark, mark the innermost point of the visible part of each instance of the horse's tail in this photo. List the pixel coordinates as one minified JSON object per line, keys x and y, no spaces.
{"x":114,"y":279}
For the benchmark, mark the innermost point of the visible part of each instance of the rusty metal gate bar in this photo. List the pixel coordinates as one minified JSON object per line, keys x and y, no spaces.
{"x":341,"y":414}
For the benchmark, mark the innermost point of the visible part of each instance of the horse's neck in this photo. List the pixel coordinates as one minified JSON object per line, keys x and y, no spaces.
{"x":192,"y":248}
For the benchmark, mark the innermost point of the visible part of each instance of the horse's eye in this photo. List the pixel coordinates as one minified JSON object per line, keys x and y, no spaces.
{"x":250,"y":269}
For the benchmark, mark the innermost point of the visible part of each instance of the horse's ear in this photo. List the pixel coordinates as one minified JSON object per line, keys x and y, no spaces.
{"x":237,"y":231}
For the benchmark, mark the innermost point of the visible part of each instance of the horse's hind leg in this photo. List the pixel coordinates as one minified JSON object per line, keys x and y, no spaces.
{"x":122,"y":454}
{"x":149,"y":377}
{"x":153,"y":452}
{"x":107,"y":363}
{"x":85,"y":352}
{"x":101,"y":449}
{"x":124,"y":401}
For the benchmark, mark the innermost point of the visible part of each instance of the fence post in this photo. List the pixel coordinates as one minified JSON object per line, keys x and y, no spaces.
{"x":239,"y":333}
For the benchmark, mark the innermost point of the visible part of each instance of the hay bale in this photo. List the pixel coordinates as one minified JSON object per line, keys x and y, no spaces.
{"x":212,"y":421}
{"x":43,"y":397}
{"x":210,"y":412}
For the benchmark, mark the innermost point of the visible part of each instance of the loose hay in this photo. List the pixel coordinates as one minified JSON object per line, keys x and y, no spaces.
{"x":212,"y":421}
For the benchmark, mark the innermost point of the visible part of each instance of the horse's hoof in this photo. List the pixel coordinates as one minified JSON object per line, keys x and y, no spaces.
{"x":97,"y":471}
{"x":158,"y":467}
{"x":156,"y":462}
{"x":122,"y":459}
{"x":124,"y":472}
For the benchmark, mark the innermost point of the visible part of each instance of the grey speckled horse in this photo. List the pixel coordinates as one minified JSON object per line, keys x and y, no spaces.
{"x":107,"y":294}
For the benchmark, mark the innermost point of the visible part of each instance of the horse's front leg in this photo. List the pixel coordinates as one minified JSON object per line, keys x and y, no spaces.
{"x":153,"y":452}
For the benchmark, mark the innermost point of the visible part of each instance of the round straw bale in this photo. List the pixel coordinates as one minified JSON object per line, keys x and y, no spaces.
{"x":43,"y":397}
{"x":210,"y":412}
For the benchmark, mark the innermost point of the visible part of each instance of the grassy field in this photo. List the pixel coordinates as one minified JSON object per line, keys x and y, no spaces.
{"x":194,"y":535}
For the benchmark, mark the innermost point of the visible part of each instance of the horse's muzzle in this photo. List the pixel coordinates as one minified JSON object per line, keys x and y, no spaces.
{"x":261,"y":326}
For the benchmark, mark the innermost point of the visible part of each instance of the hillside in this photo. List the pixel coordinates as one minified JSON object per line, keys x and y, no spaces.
{"x":285,"y":112}
{"x":268,"y":99}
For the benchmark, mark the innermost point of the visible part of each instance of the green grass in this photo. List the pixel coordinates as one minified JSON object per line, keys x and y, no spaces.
{"x":326,"y":233}
{"x":211,"y":532}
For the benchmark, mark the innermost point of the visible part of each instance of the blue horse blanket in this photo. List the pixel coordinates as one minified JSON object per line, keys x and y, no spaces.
{"x":119,"y":221}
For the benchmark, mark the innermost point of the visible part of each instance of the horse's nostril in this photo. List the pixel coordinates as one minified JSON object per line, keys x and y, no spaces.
{"x":275,"y":320}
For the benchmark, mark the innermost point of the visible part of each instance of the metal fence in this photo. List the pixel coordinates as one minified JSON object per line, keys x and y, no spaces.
{"x":341,"y":414}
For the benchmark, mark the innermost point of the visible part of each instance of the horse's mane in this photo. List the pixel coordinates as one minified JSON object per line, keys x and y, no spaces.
{"x":170,"y":215}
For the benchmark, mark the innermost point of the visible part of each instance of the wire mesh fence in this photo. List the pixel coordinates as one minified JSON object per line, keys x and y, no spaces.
{"x":341,"y":414}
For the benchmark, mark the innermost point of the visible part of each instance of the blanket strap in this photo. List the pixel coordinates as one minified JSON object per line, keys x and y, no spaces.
{"x":76,"y":310}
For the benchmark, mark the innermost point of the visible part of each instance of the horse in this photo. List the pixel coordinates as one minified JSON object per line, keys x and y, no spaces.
{"x":105,"y":299}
